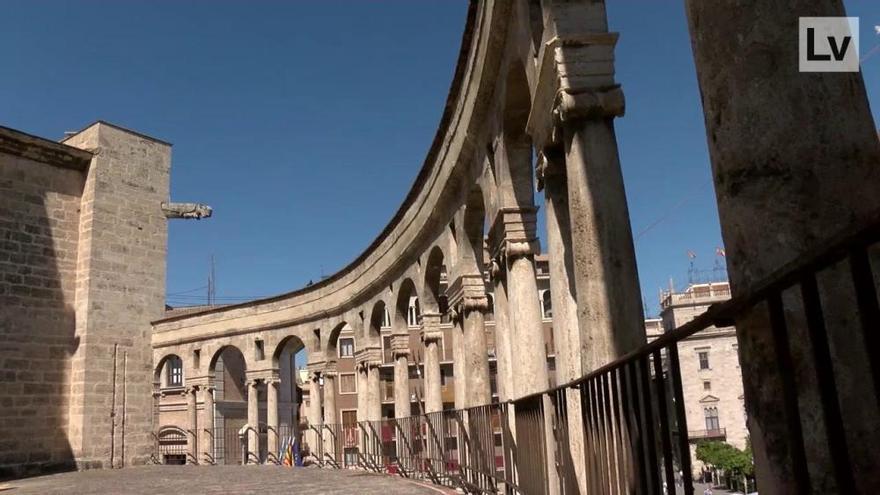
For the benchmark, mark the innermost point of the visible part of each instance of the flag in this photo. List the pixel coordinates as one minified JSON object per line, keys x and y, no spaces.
{"x":719,"y":251}
{"x":691,"y":254}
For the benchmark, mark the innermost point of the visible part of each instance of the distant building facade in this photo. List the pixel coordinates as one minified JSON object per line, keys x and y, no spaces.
{"x":710,"y":370}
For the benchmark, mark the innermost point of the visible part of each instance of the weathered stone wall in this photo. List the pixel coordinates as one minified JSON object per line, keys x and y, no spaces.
{"x":120,"y":289}
{"x":39,"y":229}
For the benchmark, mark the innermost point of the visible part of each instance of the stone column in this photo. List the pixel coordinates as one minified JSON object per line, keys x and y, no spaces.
{"x":330,"y":413}
{"x":402,"y":407}
{"x":208,"y":424}
{"x":503,"y":358}
{"x":374,"y":406}
{"x":272,"y":385}
{"x":527,"y":338}
{"x":795,"y":160}
{"x":315,"y":416}
{"x":192,"y":456}
{"x":571,"y":350}
{"x":253,"y":421}
{"x":479,"y":390}
{"x":459,"y":363}
{"x":605,"y":276}
{"x":431,"y":336}
{"x":363,"y":391}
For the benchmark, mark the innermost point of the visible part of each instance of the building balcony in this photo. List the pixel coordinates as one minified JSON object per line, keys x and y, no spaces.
{"x":719,"y":433}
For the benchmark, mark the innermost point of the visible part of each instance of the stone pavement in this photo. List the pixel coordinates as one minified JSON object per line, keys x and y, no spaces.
{"x":217,"y":479}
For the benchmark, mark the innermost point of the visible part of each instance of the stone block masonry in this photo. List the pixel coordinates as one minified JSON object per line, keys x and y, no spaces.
{"x":83,"y":241}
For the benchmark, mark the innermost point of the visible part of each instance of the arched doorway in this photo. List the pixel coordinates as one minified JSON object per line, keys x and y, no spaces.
{"x":290,"y":358}
{"x":228,"y":369}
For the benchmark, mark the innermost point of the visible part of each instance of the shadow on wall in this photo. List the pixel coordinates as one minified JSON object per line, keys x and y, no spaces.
{"x":39,"y":226}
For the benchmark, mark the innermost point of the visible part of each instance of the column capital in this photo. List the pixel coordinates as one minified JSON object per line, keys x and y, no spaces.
{"x":400,"y":345}
{"x":369,"y":356}
{"x":575,"y":82}
{"x":513,"y":233}
{"x":429,"y":327}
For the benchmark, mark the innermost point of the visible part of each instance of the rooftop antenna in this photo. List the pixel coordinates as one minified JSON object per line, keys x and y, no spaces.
{"x":692,"y":256}
{"x":212,"y":281}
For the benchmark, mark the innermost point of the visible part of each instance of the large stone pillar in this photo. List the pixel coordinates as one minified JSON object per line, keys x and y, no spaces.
{"x":467,"y":298}
{"x":363,"y":391}
{"x":479,"y":389}
{"x":431,"y":336}
{"x":374,"y":386}
{"x":253,"y":421}
{"x":207,"y":427}
{"x":402,"y":407}
{"x":368,"y":360}
{"x":192,"y":448}
{"x":272,"y":385}
{"x":330,"y":413}
{"x":570,"y":348}
{"x":503,"y":358}
{"x":315,"y":415}
{"x":795,"y":158}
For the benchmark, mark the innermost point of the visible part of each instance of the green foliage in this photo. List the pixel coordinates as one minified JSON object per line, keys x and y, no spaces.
{"x":722,"y":455}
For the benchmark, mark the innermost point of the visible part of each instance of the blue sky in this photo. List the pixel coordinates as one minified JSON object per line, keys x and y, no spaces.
{"x":304,"y":124}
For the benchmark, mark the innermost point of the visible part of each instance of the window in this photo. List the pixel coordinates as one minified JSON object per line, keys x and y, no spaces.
{"x":703,"y":356}
{"x":349,"y":418}
{"x":546,"y":305}
{"x":412,"y":313}
{"x":346,"y":348}
{"x":175,"y":371}
{"x":712,"y":418}
{"x":347,"y":383}
{"x":386,"y":318}
{"x":707,"y":385}
{"x":259,"y":350}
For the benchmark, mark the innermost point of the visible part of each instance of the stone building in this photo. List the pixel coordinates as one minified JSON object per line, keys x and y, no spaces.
{"x":82,"y":274}
{"x":709,"y":366}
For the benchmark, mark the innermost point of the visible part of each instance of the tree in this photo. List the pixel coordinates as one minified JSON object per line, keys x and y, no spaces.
{"x":726,"y":457}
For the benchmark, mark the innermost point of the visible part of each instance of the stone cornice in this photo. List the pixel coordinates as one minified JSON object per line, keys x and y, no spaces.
{"x":42,"y":150}
{"x":429,"y":324}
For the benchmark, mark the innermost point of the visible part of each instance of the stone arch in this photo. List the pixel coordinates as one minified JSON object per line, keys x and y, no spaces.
{"x":373,"y":328}
{"x":516,"y":181}
{"x":287,"y":342}
{"x":432,"y":300}
{"x":405,"y":292}
{"x":330,"y":349}
{"x":473,"y":228}
{"x":160,"y":374}
{"x":231,"y":376}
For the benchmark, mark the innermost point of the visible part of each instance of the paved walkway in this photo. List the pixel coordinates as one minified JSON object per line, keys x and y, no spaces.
{"x":193,"y":480}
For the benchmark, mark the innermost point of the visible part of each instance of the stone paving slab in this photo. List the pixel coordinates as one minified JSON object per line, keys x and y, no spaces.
{"x":233,"y":480}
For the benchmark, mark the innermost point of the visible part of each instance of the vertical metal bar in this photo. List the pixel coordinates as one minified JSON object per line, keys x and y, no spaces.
{"x":681,"y":418}
{"x":662,"y":413}
{"x":593,"y":471}
{"x":827,"y":385}
{"x":869,"y":310}
{"x":620,"y":440}
{"x":648,"y":420}
{"x":604,"y":467}
{"x":630,"y":404}
{"x":779,"y":329}
{"x":610,"y":441}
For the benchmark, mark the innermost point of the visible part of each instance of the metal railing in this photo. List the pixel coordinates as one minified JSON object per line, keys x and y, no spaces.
{"x":623,"y":427}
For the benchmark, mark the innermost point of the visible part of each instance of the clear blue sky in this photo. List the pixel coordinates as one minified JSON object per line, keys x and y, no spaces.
{"x":304,"y":124}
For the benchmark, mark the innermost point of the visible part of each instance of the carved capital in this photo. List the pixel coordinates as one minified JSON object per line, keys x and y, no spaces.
{"x":430,"y":327}
{"x":512,"y":225}
{"x":370,"y":356}
{"x":575,"y":82}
